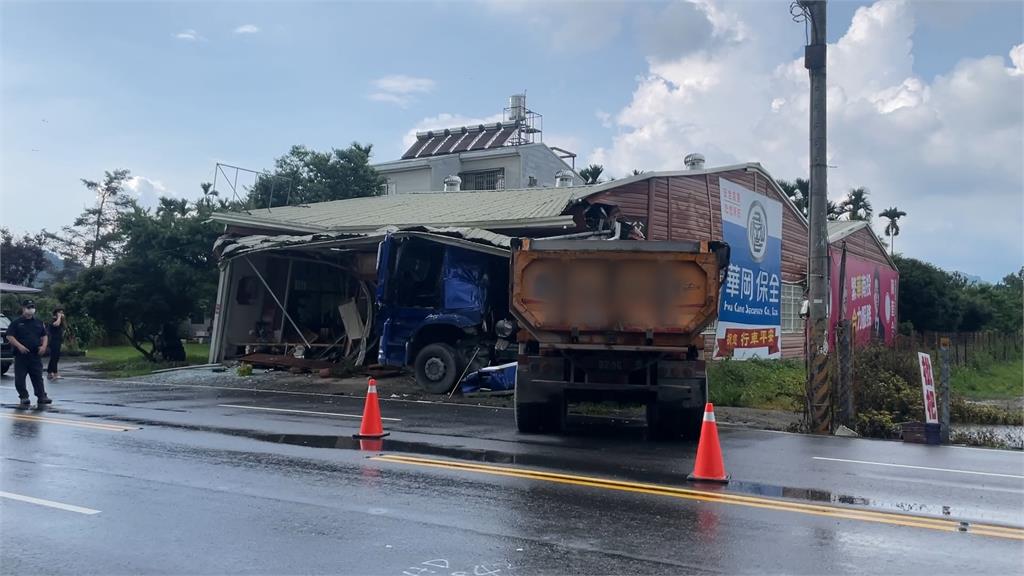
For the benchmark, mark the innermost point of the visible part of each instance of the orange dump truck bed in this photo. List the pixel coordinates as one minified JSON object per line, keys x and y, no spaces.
{"x":616,"y":320}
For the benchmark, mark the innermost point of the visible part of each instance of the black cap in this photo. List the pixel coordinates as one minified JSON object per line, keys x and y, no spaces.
{"x":28,"y":303}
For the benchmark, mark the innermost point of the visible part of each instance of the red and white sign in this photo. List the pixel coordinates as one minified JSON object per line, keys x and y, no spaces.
{"x":931,"y":407}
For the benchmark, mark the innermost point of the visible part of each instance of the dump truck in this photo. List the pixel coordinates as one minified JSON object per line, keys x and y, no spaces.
{"x":614,"y":321}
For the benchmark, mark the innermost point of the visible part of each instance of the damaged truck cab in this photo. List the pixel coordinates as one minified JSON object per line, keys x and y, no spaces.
{"x":437,"y":310}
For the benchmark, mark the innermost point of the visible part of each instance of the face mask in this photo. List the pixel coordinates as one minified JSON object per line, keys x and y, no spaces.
{"x":30,"y":311}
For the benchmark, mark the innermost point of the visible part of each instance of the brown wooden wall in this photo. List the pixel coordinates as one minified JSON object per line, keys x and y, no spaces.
{"x":862,"y":244}
{"x":688,"y":208}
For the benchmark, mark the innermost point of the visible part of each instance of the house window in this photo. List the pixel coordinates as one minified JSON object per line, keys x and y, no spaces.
{"x":532,"y":181}
{"x":483,"y":179}
{"x":388,"y":187}
{"x":792,"y":297}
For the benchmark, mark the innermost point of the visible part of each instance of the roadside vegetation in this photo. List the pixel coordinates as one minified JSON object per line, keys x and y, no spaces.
{"x":764,"y":384}
{"x":989,"y":380}
{"x":126,"y":361}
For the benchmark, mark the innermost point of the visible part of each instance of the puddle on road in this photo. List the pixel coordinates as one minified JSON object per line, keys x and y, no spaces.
{"x":386,"y":445}
{"x":602,"y":466}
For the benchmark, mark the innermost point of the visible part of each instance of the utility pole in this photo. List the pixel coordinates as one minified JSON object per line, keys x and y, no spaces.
{"x":819,"y":392}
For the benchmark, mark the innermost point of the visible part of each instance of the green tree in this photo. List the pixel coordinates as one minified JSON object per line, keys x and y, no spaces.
{"x":798,"y":191}
{"x":22,"y":259}
{"x":892,"y":229}
{"x":856,"y":204}
{"x":95,"y":233}
{"x":929,"y":297}
{"x":304,"y":176}
{"x":834,"y":211}
{"x":592,"y":174}
{"x":166,"y":273}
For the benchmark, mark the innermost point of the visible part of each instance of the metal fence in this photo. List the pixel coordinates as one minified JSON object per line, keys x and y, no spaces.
{"x":963,"y":346}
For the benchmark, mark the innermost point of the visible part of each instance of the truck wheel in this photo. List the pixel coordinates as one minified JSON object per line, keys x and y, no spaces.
{"x":437,"y":367}
{"x":665,"y":421}
{"x":5,"y":367}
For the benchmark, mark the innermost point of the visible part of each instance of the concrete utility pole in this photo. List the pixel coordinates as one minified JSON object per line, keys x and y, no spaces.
{"x":819,"y":392}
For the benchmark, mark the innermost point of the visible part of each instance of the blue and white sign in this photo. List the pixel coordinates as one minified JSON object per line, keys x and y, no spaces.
{"x":749,"y":313}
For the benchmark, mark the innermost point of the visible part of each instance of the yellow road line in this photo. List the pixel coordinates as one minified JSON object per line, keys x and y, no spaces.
{"x":719,"y":497}
{"x":66,"y":422}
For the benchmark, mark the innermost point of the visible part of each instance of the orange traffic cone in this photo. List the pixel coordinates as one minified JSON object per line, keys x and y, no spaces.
{"x":372,"y":426}
{"x":709,"y":465}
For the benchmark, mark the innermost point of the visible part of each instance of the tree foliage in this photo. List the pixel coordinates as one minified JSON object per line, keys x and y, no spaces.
{"x":799,"y":192}
{"x":304,"y":176}
{"x":592,"y":174}
{"x":856,"y":205}
{"x":165,"y":274}
{"x":21,"y":259}
{"x":892,"y":228}
{"x":95,"y":236}
{"x":935,"y":300}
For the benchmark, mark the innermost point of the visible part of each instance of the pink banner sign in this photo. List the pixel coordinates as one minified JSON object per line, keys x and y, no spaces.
{"x":931,"y":408}
{"x":870,"y":295}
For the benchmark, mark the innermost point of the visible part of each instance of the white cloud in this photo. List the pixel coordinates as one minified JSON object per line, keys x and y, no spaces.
{"x":147,"y":192}
{"x":247,"y":29}
{"x":947,"y":151}
{"x":399,"y":89}
{"x":189,"y":35}
{"x":446,"y":120}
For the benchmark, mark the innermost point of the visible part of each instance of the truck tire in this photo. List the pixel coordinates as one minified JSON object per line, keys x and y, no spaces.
{"x":437,"y":367}
{"x":5,"y":367}
{"x":665,"y":421}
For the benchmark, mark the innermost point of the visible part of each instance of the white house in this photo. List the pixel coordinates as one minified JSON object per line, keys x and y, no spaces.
{"x":502,"y":155}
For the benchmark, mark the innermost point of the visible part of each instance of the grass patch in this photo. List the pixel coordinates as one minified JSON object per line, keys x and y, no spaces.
{"x":125,"y":361}
{"x":994,"y":381}
{"x":765,"y":384}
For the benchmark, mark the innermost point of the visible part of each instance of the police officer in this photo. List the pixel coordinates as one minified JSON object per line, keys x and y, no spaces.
{"x":27,"y":335}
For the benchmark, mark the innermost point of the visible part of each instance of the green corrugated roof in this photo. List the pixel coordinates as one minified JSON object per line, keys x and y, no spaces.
{"x":426,"y":209}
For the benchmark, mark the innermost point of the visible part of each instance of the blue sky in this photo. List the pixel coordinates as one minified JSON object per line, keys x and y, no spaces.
{"x":168,"y":89}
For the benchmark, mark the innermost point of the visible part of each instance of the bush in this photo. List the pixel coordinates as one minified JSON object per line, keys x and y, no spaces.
{"x":962,"y":411}
{"x":767,"y":384}
{"x":886,"y":391}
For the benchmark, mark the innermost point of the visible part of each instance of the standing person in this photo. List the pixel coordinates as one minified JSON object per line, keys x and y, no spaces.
{"x":55,"y":330}
{"x":28,"y":336}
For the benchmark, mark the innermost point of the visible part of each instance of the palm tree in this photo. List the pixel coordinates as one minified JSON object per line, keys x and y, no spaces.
{"x":856,"y":204}
{"x":637,"y":172}
{"x":799,"y":191}
{"x":834,"y":211}
{"x":892,"y":229}
{"x":592,"y":174}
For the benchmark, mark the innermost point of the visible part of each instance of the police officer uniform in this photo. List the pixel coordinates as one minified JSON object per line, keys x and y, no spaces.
{"x":29,"y":332}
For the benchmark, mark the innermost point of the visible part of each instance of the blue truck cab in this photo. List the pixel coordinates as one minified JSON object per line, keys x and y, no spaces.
{"x":442,"y":309}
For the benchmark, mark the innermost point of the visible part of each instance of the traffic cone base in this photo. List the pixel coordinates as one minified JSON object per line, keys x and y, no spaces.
{"x":372,"y":426}
{"x":709,"y":466}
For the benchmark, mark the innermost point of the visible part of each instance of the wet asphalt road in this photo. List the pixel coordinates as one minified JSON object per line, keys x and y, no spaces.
{"x":189,"y":479}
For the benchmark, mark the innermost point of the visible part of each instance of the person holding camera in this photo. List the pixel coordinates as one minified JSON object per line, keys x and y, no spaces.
{"x":55,"y":330}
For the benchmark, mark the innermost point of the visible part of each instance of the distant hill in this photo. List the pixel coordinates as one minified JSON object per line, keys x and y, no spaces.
{"x":57,"y":266}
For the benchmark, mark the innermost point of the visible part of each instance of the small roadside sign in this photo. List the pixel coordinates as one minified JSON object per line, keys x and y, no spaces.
{"x":931,"y":407}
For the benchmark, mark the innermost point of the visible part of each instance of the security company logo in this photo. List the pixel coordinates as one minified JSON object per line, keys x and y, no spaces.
{"x":757,"y":231}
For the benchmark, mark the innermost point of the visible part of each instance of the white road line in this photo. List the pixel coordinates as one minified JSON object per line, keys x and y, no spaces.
{"x":920,"y":467}
{"x":48,"y":503}
{"x":300,"y":411}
